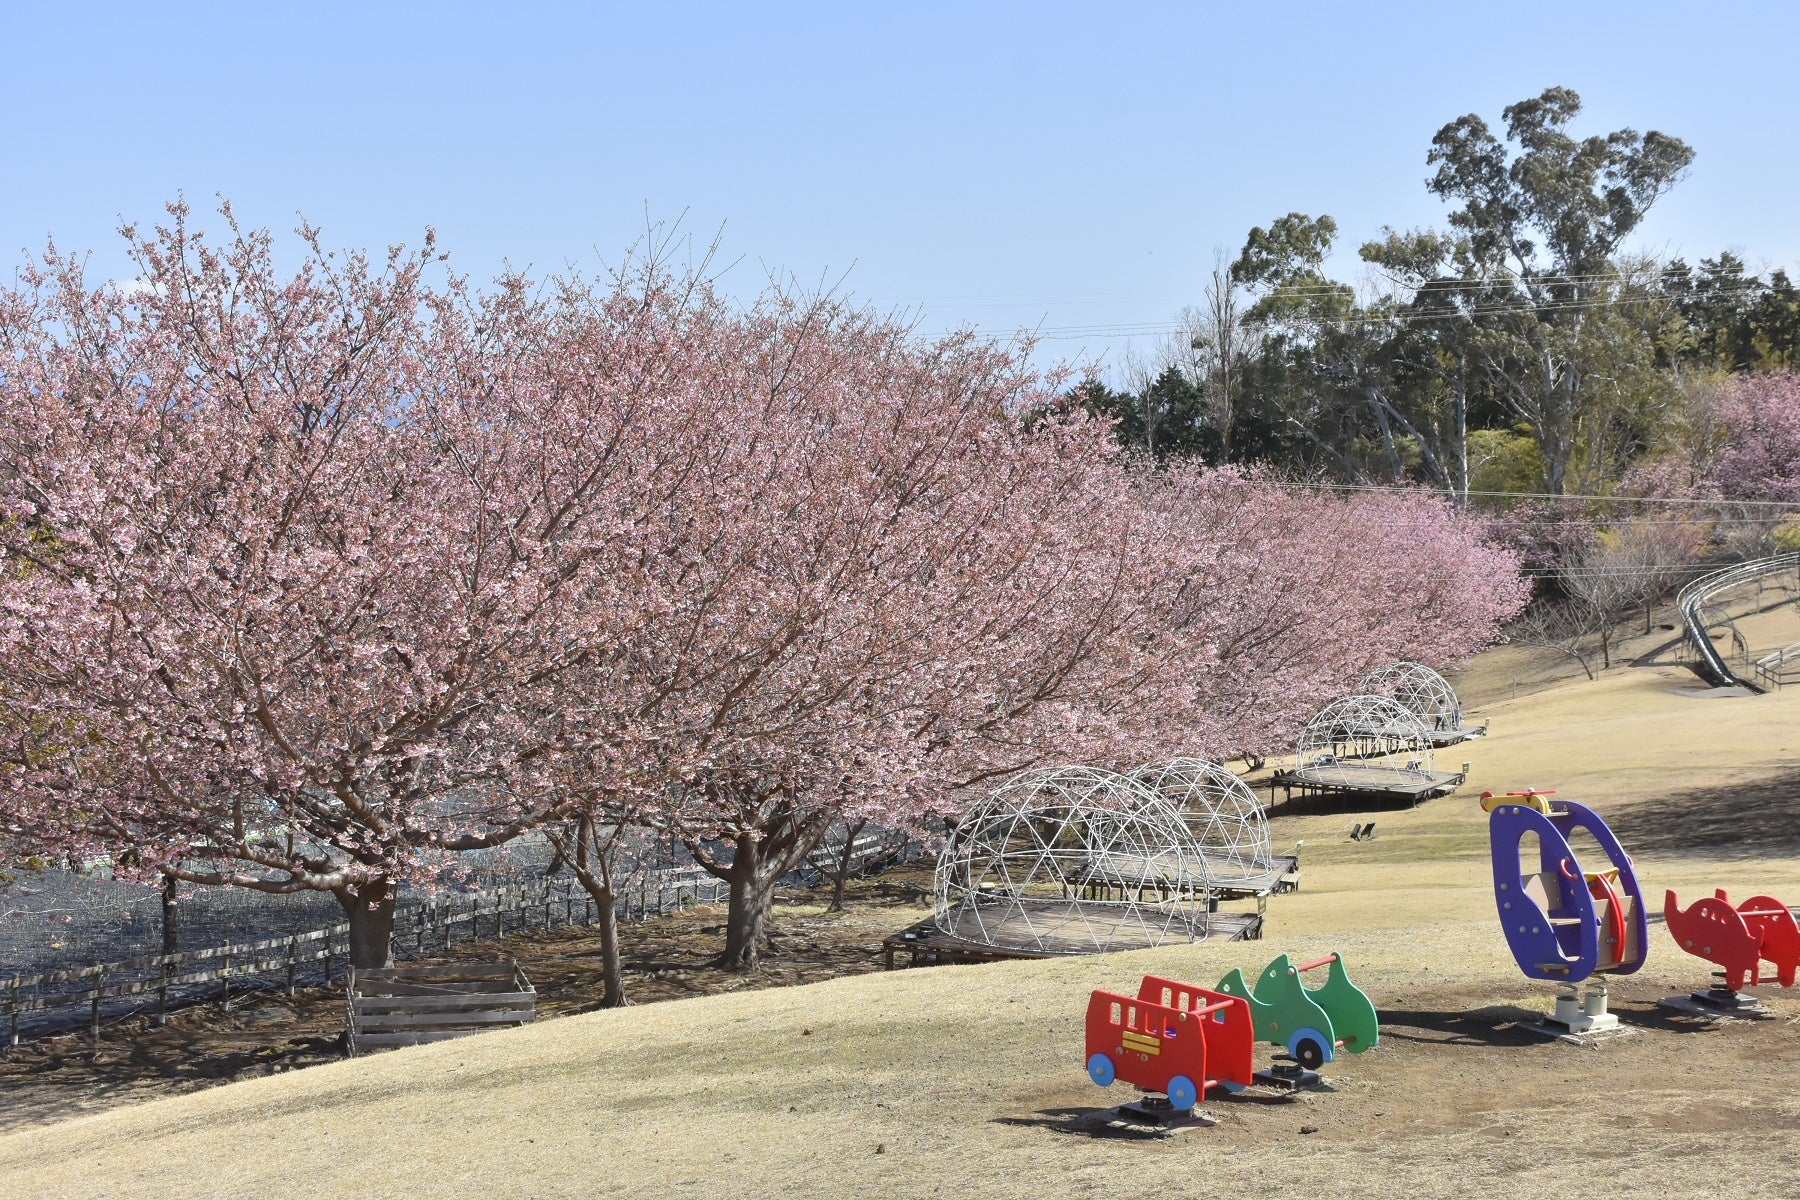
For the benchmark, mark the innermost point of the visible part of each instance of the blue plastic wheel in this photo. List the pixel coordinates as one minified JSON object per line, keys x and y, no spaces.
{"x":1183,"y":1095}
{"x":1311,"y":1049}
{"x":1101,"y":1071}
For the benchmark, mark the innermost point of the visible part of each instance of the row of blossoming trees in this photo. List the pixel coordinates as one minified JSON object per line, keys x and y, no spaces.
{"x":314,"y":581}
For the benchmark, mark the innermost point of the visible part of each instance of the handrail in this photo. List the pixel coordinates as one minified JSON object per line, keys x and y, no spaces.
{"x":1779,"y":657}
{"x":1691,"y":597}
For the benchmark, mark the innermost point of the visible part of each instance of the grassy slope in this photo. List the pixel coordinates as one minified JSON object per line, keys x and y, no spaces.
{"x":960,"y":1081}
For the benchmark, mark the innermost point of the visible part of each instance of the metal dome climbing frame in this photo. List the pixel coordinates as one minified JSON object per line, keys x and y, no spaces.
{"x":1226,"y":819}
{"x":1352,"y":738}
{"x":1068,"y":860}
{"x":1418,"y":688}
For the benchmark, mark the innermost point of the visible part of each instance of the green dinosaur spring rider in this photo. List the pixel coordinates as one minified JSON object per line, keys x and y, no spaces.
{"x":1310,"y":1023}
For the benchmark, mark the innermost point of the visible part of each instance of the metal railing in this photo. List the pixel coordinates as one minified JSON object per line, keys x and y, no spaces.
{"x":1692,"y":603}
{"x":1780,"y":668}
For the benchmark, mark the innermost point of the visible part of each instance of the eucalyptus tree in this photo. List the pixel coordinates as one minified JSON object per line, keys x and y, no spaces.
{"x":1560,"y":332}
{"x":1350,"y":375}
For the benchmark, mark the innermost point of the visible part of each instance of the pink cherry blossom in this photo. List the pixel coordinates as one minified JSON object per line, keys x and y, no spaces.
{"x":315,"y":581}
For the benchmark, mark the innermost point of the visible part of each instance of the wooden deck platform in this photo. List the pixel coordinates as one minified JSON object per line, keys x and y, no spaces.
{"x":1281,"y":873}
{"x":1363,"y":784}
{"x":1450,"y":737}
{"x":925,"y":944}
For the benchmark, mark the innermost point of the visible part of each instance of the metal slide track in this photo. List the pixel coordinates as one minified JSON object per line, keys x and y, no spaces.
{"x":1693,"y":598}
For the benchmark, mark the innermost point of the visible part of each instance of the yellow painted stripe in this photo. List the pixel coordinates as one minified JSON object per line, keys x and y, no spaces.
{"x":1142,"y":1044}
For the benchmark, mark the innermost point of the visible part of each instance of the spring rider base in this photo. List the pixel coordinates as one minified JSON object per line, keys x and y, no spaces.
{"x":1718,"y":1002}
{"x":1286,"y":1074}
{"x":1579,"y":1015}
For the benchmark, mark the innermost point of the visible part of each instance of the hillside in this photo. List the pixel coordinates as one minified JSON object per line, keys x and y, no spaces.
{"x":968,"y":1081}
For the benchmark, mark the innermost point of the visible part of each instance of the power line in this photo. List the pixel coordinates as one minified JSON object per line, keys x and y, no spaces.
{"x":1696,"y":501}
{"x":1159,"y":328}
{"x":1736,"y":284}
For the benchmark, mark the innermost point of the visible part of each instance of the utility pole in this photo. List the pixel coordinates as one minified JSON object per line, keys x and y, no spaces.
{"x":1462,"y":430}
{"x":171,"y":929}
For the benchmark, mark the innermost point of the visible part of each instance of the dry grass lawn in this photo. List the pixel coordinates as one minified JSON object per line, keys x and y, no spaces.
{"x":968,"y":1081}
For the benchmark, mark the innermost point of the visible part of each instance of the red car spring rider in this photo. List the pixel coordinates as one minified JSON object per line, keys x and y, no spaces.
{"x":1761,"y":929}
{"x":1172,"y":1037}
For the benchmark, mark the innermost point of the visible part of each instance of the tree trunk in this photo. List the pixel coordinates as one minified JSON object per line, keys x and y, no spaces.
{"x":370,"y":908}
{"x":1462,"y":432}
{"x":171,"y":925}
{"x":589,"y":854}
{"x":612,"y":966}
{"x":752,"y":896}
{"x":837,"y":886}
{"x":851,"y":833}
{"x":612,"y":963}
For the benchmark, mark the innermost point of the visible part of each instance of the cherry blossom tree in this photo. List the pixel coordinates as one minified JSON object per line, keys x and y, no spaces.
{"x":897,"y":585}
{"x":1759,"y":455}
{"x":293,"y":571}
{"x":1300,"y":591}
{"x":318,"y":581}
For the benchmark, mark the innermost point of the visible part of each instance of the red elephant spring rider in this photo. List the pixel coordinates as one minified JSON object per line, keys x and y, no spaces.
{"x":1172,"y":1037}
{"x":1761,"y":929}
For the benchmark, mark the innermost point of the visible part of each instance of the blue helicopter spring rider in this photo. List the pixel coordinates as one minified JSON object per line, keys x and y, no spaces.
{"x":1565,"y":922}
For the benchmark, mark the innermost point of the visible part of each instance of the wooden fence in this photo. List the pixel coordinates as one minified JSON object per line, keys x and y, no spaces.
{"x":433,"y":1002}
{"x":162,"y":981}
{"x":421,"y":928}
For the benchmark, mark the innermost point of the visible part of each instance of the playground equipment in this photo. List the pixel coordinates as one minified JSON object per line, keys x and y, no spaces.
{"x":1073,"y":860}
{"x":1311,"y":1024}
{"x":1366,"y":748}
{"x":1423,"y":691}
{"x":1761,"y":929}
{"x":1228,"y":823}
{"x":1563,"y":922}
{"x":1172,"y":1037}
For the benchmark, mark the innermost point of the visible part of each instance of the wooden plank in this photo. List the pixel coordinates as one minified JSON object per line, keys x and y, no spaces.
{"x":412,"y":1020}
{"x":411,"y":974}
{"x":444,"y":988}
{"x":135,"y":987}
{"x":471,"y":1003}
{"x":148,"y":961}
{"x":377,"y":1041}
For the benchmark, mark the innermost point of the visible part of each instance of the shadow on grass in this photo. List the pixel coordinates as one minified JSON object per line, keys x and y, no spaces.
{"x":1747,"y":820}
{"x":69,"y":1075}
{"x":1087,"y":1122}
{"x":1495,"y":1025}
{"x":1674,"y":1020}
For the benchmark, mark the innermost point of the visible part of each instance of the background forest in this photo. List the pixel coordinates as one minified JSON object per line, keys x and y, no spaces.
{"x":1523,"y":348}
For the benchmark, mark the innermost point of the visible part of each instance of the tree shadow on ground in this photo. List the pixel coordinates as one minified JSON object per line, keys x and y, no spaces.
{"x":665,"y":958}
{"x":1757,"y":819}
{"x":1669,"y":1020}
{"x":70,"y":1074}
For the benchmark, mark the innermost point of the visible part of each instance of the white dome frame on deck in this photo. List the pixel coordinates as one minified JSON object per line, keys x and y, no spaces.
{"x":1226,"y":818}
{"x":1072,"y":860}
{"x":1352,"y":739}
{"x":1418,"y":688}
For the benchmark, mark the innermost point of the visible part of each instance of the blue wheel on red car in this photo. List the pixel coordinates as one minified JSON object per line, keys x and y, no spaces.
{"x":1101,"y":1070}
{"x":1183,"y":1095}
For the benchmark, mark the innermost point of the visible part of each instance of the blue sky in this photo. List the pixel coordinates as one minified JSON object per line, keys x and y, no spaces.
{"x":1006,"y":165}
